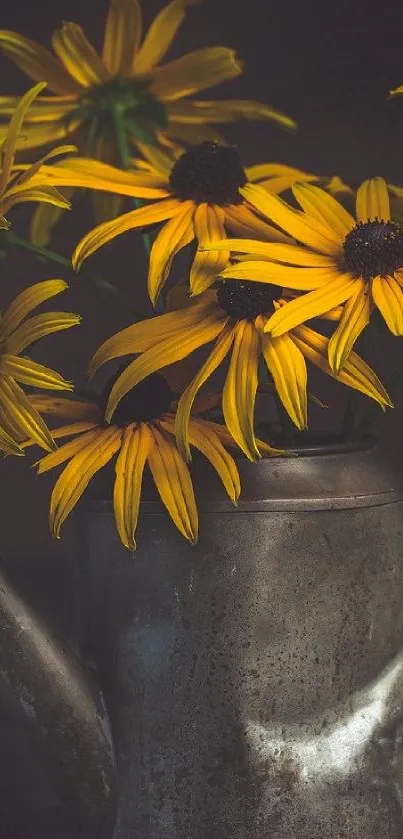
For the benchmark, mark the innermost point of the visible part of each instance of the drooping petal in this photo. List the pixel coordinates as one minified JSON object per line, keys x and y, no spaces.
{"x":216,"y":357}
{"x":193,"y":72}
{"x":388,"y":297}
{"x":76,"y":476}
{"x":41,"y":195}
{"x":240,"y":219}
{"x":174,"y":484}
{"x":160,"y":36}
{"x":129,"y":470}
{"x":45,"y":218}
{"x":356,"y":373}
{"x":277,"y":177}
{"x":134,"y":219}
{"x":8,"y":445}
{"x":312,"y":305}
{"x":355,"y":317}
{"x":175,"y":235}
{"x":42,"y":134}
{"x":301,"y":279}
{"x":27,"y":172}
{"x":42,"y":109}
{"x":277,"y":252}
{"x":29,"y":299}
{"x":372,"y":201}
{"x":287,"y":367}
{"x":35,"y":328}
{"x":77,"y":55}
{"x":203,"y":436}
{"x":122,"y":36}
{"x":161,"y":355}
{"x":197,"y":112}
{"x":8,"y":147}
{"x":68,"y":450}
{"x":240,"y":388}
{"x":302,"y":227}
{"x":66,"y":408}
{"x":208,"y":227}
{"x":144,"y":335}
{"x":227,"y":439}
{"x":15,"y":404}
{"x":31,"y":373}
{"x":37,"y":62}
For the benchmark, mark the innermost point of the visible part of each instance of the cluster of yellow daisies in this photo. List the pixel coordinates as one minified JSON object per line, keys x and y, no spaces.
{"x":261,"y":269}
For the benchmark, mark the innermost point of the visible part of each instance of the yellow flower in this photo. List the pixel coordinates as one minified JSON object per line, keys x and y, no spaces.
{"x":234,"y":317}
{"x":196,"y":199}
{"x":341,"y":260}
{"x":19,"y":419}
{"x":142,"y":433}
{"x":19,"y":184}
{"x":89,"y":89}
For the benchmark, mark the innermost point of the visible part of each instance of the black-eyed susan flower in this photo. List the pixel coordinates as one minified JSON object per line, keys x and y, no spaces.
{"x":233,"y":319}
{"x":19,"y":419}
{"x":126,"y":82}
{"x":20,"y":184}
{"x":196,"y":199}
{"x":340,"y":260}
{"x":142,"y":433}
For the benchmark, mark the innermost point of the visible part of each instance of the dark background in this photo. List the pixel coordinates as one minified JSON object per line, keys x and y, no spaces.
{"x":329,"y":65}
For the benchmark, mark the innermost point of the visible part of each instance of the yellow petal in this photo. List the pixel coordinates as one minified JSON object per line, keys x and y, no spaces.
{"x":143,"y":336}
{"x":37,"y":327}
{"x":107,"y":231}
{"x":77,"y":55}
{"x":397,"y":91}
{"x":216,"y":356}
{"x":160,"y":36}
{"x":68,"y":450}
{"x":8,"y":445}
{"x":42,"y":134}
{"x":175,"y":235}
{"x":76,"y":476}
{"x":302,"y":279}
{"x":37,"y":62}
{"x":388,"y":297}
{"x":30,"y":171}
{"x":356,"y":373}
{"x":197,"y":111}
{"x":277,"y":177}
{"x":208,"y":226}
{"x":16,"y":405}
{"x":287,"y":367}
{"x":122,"y":36}
{"x":161,"y":355}
{"x":323,"y":207}
{"x":29,"y":372}
{"x":277,"y":252}
{"x":43,"y":195}
{"x":312,"y":305}
{"x":355,"y":317}
{"x":241,"y":220}
{"x":297,"y":224}
{"x":42,"y":109}
{"x":194,"y":71}
{"x":67,"y":408}
{"x":372,"y":200}
{"x":173,"y":483}
{"x":240,"y":388}
{"x":14,"y":129}
{"x":128,"y":482}
{"x":202,"y":435}
{"x":29,"y":299}
{"x":95,"y":174}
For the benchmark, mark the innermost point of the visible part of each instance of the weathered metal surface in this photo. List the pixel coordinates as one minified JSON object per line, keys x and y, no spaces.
{"x":256,"y":680}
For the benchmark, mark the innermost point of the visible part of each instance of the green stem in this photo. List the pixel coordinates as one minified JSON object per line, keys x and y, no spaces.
{"x":125,"y":162}
{"x":14,"y":240}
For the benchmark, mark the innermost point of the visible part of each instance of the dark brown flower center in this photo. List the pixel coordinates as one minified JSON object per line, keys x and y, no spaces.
{"x":374,"y":248}
{"x":145,"y":402}
{"x":208,"y":173}
{"x":245,"y":300}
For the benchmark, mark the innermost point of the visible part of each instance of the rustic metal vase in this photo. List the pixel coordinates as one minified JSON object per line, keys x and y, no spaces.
{"x":255,"y":681}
